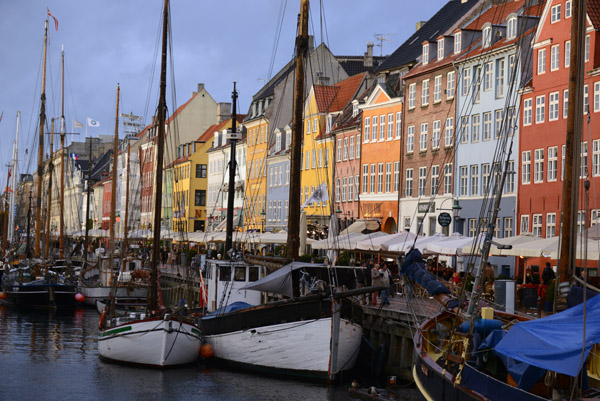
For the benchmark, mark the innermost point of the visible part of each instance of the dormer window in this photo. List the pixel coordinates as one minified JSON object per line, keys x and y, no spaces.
{"x":426,"y":53}
{"x":440,"y":49}
{"x":487,"y":36}
{"x":555,"y":14}
{"x":457,"y":42}
{"x":329,"y":123}
{"x":511,"y":28}
{"x":278,"y":142}
{"x":354,"y":108}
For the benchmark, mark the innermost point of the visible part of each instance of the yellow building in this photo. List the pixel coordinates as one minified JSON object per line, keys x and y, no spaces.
{"x":322,"y":106}
{"x":190,"y":180}
{"x":257,"y":145}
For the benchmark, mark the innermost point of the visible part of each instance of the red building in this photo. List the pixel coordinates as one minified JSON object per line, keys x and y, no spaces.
{"x":106,"y":195}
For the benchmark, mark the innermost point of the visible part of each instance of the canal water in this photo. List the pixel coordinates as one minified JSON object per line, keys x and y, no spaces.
{"x":47,"y":355}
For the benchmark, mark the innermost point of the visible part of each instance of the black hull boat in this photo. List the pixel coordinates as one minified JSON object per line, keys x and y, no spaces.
{"x":40,"y":294}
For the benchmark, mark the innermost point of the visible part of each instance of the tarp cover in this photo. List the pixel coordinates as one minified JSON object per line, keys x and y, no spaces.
{"x":280,"y":281}
{"x":414,"y":268}
{"x":555,"y":342}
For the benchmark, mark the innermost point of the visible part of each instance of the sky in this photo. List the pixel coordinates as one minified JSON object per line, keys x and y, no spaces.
{"x":215,"y":42}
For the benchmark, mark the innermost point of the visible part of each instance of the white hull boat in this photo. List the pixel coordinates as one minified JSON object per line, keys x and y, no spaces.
{"x":93,"y":294}
{"x":152,"y":342}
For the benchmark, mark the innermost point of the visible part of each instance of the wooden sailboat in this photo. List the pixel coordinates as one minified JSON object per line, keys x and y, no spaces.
{"x":310,"y":336}
{"x":532,"y":359}
{"x":156,"y":338}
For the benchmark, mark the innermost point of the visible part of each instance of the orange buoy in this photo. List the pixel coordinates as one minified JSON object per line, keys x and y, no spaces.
{"x":3,"y":295}
{"x":206,"y":351}
{"x":79,"y":297}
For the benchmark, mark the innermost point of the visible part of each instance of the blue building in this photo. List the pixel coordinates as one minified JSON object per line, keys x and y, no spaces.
{"x":278,"y":180}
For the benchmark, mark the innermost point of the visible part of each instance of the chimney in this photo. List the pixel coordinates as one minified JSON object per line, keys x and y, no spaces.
{"x":223,"y":111}
{"x":200,"y":89}
{"x":368,"y":57}
{"x":421,"y":23}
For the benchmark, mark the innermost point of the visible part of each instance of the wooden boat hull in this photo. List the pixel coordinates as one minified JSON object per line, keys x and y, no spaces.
{"x":289,"y":338}
{"x":93,"y":294}
{"x":151,"y":342}
{"x":42,"y":295}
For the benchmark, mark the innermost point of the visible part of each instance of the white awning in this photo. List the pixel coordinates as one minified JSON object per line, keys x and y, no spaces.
{"x":361,"y":225}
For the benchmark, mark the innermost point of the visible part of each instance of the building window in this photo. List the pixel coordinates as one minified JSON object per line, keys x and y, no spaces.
{"x":435,"y":179}
{"x":584,"y":160}
{"x":586,"y":99}
{"x":555,"y":14}
{"x":350,"y":188}
{"x":485,"y":178}
{"x":596,"y":157}
{"x":422,"y":180}
{"x":440,"y":49}
{"x":367,"y":129}
{"x":356,"y":189}
{"x":466,"y":81}
{"x":487,"y":126}
{"x":200,"y":197}
{"x":511,"y":30}
{"x":425,"y":53}
{"x":526,"y":167}
{"x":437,"y":89}
{"x":398,"y":124}
{"x":537,"y":225}
{"x":315,"y":127}
{"x":396,"y":176}
{"x":374,"y":133}
{"x":390,"y":126}
{"x":551,"y":225}
{"x":562,"y":164}
{"x":500,"y":78}
{"x":487,"y":36}
{"x":410,"y":139}
{"x":464,"y":129}
{"x":511,"y":66}
{"x":425,"y":92}
{"x":474,"y":179}
{"x":344,"y":187}
{"x":596,"y":97}
{"x":201,"y":170}
{"x":412,"y":94}
{"x":472,"y":227}
{"x":449,"y":132}
{"x":457,"y":42}
{"x":587,"y":48}
{"x":524,"y":224}
{"x":527,"y":110}
{"x":373,"y":171}
{"x":423,"y":137}
{"x":580,"y":221}
{"x":568,"y":9}
{"x":565,"y":103}
{"x":538,"y":165}
{"x":408,"y":185}
{"x":388,"y":177}
{"x":337,"y":190}
{"x":435,"y":136}
{"x":382,"y":127}
{"x":308,"y":126}
{"x":488,"y":71}
{"x":510,"y":177}
{"x":464,"y":180}
{"x":365,"y":183}
{"x":553,"y":106}
{"x":554,"y":57}
{"x":351,"y":154}
{"x":357,"y":152}
{"x":380,"y":178}
{"x":345,"y":149}
{"x":540,"y":109}
{"x":498,"y":117}
{"x":567,"y":54}
{"x":448,"y":178}
{"x":450,"y":82}
{"x":552,"y":163}
{"x":476,"y":127}
{"x":508,"y":230}
{"x":541,"y":60}
{"x":339,"y":150}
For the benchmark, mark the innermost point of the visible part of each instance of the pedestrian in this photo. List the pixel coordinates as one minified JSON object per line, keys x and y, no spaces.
{"x":385,"y":280}
{"x":375,"y":282}
{"x":548,"y":274}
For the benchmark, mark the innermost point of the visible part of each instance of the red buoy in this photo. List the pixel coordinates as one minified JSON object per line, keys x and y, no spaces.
{"x":206,"y":351}
{"x":79,"y":297}
{"x":3,"y":295}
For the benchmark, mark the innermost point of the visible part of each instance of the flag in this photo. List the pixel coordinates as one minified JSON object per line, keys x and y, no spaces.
{"x":55,"y":20}
{"x":319,"y":195}
{"x":74,"y":156}
{"x":92,"y":123}
{"x":77,"y":124}
{"x":1,"y":115}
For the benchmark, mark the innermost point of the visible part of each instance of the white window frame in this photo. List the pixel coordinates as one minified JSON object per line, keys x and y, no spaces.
{"x":567,"y":54}
{"x":390,"y":126}
{"x":440,"y":49}
{"x":466,"y":81}
{"x":551,"y":176}
{"x":412,"y":94}
{"x":554,"y":57}
{"x":541,"y":61}
{"x":568,"y":9}
{"x":527,"y":111}
{"x":423,"y":137}
{"x":565,"y":103}
{"x":500,"y":71}
{"x":488,"y":73}
{"x":464,"y":180}
{"x":448,"y":178}
{"x":524,"y":223}
{"x":474,"y":184}
{"x":487,"y":126}
{"x":410,"y":139}
{"x":550,"y":225}
{"x":367,"y":129}
{"x":553,"y":106}
{"x":437,"y":89}
{"x":450,"y":84}
{"x":422,"y":181}
{"x":398,"y":124}
{"x":511,"y":28}
{"x":408,"y":187}
{"x":526,"y":167}
{"x":435,"y":135}
{"x":449,"y":132}
{"x":425,"y":53}
{"x":536,"y":226}
{"x":555,"y":12}
{"x":435,"y":179}
{"x":596,"y":157}
{"x":475,"y":127}
{"x":425,"y":93}
{"x":540,"y":109}
{"x":457,"y":42}
{"x":538,"y":166}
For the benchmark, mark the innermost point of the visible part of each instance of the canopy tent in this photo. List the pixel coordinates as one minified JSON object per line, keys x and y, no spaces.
{"x":280,"y":281}
{"x":346,"y":241}
{"x":274,"y":238}
{"x":418,"y":244}
{"x":383,"y":242}
{"x":514,"y":242}
{"x":452,"y":245}
{"x":532,"y":247}
{"x":361,"y":225}
{"x":555,"y":342}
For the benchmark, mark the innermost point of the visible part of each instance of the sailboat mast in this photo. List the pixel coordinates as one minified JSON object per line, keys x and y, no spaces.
{"x":49,"y":205}
{"x":125,"y":231}
{"x":62,"y":158}
{"x":568,"y":229}
{"x":40,"y":170}
{"x":293,"y":241}
{"x":232,"y":168}
{"x":113,"y":194}
{"x":162,"y":109}
{"x":87,"y":208}
{"x":11,"y":216}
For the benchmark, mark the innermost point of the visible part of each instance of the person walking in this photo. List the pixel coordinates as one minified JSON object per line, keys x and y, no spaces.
{"x":375,"y":282}
{"x":548,"y":274}
{"x":385,"y":281}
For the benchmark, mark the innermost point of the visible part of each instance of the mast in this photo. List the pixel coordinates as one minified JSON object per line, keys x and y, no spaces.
{"x":11,"y":208}
{"x":568,"y":229}
{"x":27,"y":247}
{"x":62,"y":158}
{"x":113,"y":193}
{"x":49,"y":212}
{"x":232,"y":168}
{"x":5,"y":218}
{"x":124,"y":250}
{"x":162,"y":109}
{"x":40,"y":170}
{"x":293,"y":241}
{"x":87,"y":208}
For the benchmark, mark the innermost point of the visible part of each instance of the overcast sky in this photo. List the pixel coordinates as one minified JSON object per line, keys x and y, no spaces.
{"x":215,"y":42}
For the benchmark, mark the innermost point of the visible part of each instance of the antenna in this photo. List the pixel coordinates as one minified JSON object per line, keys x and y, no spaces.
{"x":382,"y":37}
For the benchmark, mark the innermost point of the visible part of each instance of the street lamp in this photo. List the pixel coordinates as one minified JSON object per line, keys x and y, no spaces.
{"x":456,"y":208}
{"x":263,"y":220}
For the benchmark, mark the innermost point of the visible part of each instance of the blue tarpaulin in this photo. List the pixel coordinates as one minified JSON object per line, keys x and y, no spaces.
{"x":555,"y":342}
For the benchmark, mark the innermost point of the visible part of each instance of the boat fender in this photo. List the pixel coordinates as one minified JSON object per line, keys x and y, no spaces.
{"x":482,"y":326}
{"x":102,"y":317}
{"x":206,"y":351}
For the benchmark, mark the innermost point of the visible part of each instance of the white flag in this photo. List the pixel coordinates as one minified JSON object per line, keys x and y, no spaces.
{"x":77,"y":124}
{"x":92,"y":123}
{"x":319,"y":195}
